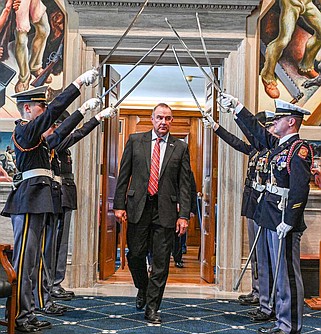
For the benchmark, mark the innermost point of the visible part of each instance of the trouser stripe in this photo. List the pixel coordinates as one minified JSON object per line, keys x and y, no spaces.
{"x":40,"y":270}
{"x":21,"y":261}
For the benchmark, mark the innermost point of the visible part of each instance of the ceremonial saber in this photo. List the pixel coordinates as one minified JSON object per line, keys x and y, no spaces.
{"x":271,"y":301}
{"x":188,"y":84}
{"x":123,"y":36}
{"x":248,"y":259}
{"x":205,"y":51}
{"x":218,"y":88}
{"x":141,"y":79}
{"x":139,"y":61}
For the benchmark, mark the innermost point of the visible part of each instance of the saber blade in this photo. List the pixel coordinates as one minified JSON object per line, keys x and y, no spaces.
{"x":132,"y":69}
{"x":123,"y":36}
{"x":248,"y":259}
{"x":142,"y":78}
{"x":271,"y":301}
{"x":218,"y":88}
{"x":188,"y":84}
{"x":206,"y":54}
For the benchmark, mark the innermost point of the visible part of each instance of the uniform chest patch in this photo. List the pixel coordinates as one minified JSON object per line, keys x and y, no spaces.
{"x":303,"y":152}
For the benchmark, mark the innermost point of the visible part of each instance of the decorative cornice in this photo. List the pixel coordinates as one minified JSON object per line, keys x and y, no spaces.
{"x":104,"y":3}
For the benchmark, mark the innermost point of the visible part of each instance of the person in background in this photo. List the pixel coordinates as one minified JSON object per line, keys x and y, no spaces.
{"x":180,"y":241}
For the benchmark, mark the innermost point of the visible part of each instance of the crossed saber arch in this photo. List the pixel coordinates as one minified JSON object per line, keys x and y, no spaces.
{"x":209,"y":118}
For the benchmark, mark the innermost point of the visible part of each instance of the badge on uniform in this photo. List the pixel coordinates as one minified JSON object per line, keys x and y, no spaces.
{"x":303,"y":152}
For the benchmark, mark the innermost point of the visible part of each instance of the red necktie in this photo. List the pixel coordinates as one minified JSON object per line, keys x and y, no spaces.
{"x":154,"y":169}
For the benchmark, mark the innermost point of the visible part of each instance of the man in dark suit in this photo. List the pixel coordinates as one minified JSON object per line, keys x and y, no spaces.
{"x":153,"y":194}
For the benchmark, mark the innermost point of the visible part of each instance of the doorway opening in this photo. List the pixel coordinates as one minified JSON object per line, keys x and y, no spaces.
{"x":163,"y":84}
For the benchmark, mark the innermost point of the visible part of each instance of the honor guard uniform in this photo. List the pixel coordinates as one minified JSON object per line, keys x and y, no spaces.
{"x":30,"y":202}
{"x":253,"y":189}
{"x":69,"y":199}
{"x":281,"y":208}
{"x":55,"y":136}
{"x":46,"y":270}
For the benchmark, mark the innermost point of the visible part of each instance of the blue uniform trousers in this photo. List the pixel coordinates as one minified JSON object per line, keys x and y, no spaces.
{"x":27,"y":231}
{"x":289,"y":298}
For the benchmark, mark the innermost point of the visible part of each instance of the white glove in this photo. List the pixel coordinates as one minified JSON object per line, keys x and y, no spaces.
{"x":227,"y":101}
{"x":109,"y":112}
{"x":209,"y":122}
{"x":283,"y":229}
{"x":90,"y":104}
{"x":89,"y":77}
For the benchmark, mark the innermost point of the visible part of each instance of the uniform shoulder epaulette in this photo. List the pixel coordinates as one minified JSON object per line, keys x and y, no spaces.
{"x":302,"y":148}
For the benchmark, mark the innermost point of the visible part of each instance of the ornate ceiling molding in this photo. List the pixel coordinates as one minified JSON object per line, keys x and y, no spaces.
{"x":192,"y":6}
{"x":102,"y":22}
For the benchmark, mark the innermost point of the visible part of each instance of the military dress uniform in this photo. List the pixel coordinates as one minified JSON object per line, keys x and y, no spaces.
{"x":284,"y":200}
{"x":30,"y":202}
{"x":46,"y":269}
{"x":69,"y":197}
{"x":251,"y":193}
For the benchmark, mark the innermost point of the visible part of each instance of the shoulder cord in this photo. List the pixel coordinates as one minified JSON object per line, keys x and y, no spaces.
{"x":26,"y":149}
{"x":295,"y":147}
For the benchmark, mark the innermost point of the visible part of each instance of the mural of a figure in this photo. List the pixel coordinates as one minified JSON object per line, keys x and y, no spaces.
{"x":291,"y":10}
{"x":6,"y":17}
{"x":30,"y":64}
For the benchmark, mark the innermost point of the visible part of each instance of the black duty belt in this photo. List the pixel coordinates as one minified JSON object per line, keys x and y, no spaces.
{"x":67,"y":176}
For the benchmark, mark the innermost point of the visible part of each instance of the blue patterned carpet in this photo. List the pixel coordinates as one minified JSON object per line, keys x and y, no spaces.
{"x":100,"y":315}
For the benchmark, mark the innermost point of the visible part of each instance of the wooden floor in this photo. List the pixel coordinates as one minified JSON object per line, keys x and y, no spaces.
{"x":189,"y":274}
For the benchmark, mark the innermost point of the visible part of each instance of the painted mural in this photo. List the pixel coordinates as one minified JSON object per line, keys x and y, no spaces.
{"x":290,"y":57}
{"x":31,"y":55}
{"x":31,"y":47}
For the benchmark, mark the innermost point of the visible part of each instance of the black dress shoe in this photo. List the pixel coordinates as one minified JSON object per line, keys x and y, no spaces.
{"x":179,"y":264}
{"x":250,"y":301}
{"x":61,"y":289}
{"x":51,"y":310}
{"x":153,"y":317}
{"x":40,"y":323}
{"x":270,"y":330}
{"x":261,"y":316}
{"x":141,"y":299}
{"x":26,"y":327}
{"x":62,"y":294}
{"x":249,"y":295}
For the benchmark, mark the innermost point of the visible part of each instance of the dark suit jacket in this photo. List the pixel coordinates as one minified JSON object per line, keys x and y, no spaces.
{"x":173,"y":185}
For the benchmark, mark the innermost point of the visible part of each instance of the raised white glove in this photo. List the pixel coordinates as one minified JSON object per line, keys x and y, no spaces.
{"x":227,"y":101}
{"x":109,"y":112}
{"x":90,"y":104}
{"x":89,"y":77}
{"x":209,"y":122}
{"x":283,"y":229}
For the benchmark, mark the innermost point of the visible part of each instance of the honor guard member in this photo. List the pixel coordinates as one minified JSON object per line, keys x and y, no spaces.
{"x":69,"y":191}
{"x":253,"y":188}
{"x":46,"y":269}
{"x":282,"y":206}
{"x":30,"y":202}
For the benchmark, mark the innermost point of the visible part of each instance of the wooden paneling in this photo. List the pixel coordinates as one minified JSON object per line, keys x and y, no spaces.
{"x":109,"y":170}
